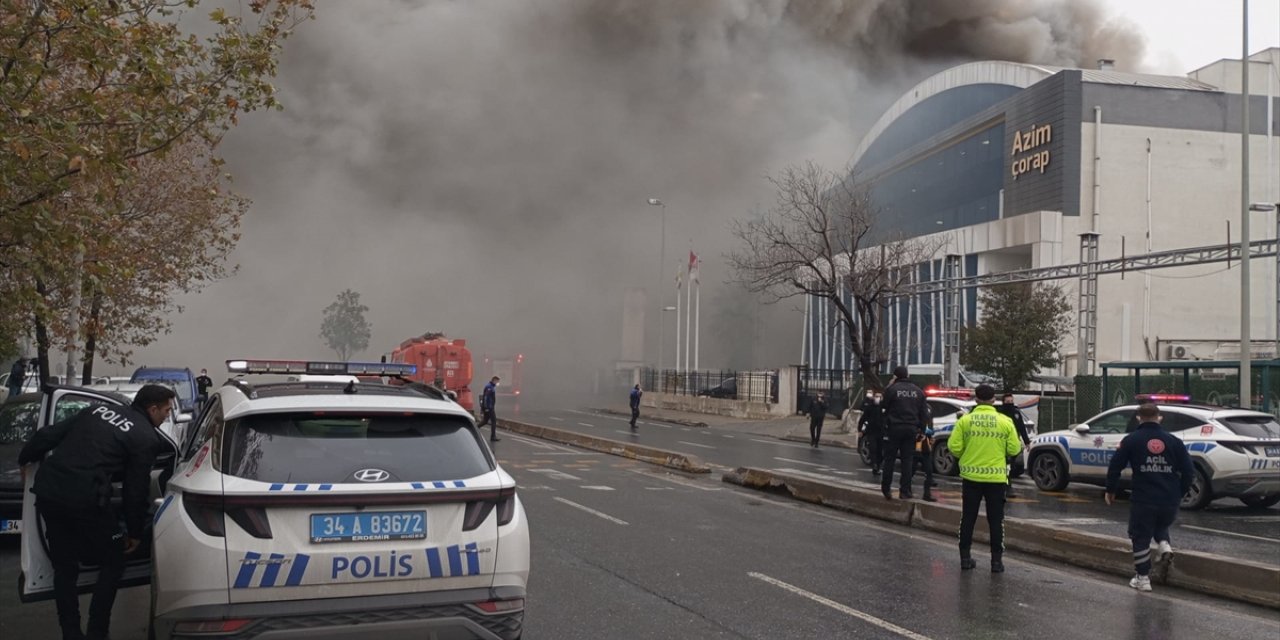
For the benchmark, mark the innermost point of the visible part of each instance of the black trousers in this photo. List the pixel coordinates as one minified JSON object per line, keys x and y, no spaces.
{"x":635,"y":415}
{"x":900,"y":443}
{"x":875,"y":438}
{"x":974,"y":494}
{"x":96,"y":539}
{"x":490,"y":418}
{"x":1147,"y":521}
{"x":815,"y":429}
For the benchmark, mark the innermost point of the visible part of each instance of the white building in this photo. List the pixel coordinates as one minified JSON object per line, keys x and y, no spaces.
{"x":1009,"y":163}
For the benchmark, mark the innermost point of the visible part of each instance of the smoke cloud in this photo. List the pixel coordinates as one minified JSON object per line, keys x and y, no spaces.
{"x":482,"y":168}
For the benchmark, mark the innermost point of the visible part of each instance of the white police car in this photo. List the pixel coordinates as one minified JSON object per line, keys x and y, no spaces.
{"x":1236,"y":452}
{"x":947,"y":406}
{"x":329,"y":510}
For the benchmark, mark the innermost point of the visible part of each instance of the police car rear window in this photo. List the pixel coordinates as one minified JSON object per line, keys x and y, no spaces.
{"x":1253,"y":426}
{"x":332,"y":448}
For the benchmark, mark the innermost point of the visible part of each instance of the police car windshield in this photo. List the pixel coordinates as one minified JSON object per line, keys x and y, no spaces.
{"x":18,"y":421}
{"x":312,"y":447}
{"x":1253,"y":426}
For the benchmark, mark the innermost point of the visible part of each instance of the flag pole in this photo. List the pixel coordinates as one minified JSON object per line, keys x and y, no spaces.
{"x":687,"y":293}
{"x":678,"y":322}
{"x":697,"y":311}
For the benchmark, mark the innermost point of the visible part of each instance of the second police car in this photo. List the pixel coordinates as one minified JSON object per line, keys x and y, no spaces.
{"x":328,"y":510}
{"x":1236,"y":452}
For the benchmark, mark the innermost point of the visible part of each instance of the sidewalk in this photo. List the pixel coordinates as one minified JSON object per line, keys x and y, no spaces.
{"x":791,"y":428}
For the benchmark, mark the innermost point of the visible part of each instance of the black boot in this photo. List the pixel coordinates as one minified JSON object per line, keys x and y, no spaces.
{"x":928,"y":496}
{"x":997,"y":565}
{"x":967,"y":564}
{"x":888,"y":495}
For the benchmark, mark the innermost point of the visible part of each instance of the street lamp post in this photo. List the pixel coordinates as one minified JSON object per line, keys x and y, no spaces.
{"x":1267,"y":207}
{"x":662,"y":326}
{"x":1246,"y":353}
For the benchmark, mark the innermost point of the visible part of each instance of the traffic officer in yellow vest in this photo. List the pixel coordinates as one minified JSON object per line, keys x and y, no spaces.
{"x":982,"y":441}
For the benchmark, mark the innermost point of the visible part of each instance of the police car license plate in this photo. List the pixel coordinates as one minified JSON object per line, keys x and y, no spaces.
{"x":1273,"y":452}
{"x":10,"y":526}
{"x":369,"y":526}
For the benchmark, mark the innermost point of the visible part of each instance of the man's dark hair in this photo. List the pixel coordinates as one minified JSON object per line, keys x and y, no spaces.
{"x":494,"y":379}
{"x":153,"y":394}
{"x":1007,"y":394}
{"x":1148,"y":411}
{"x":985,"y":392}
{"x":900,"y":372}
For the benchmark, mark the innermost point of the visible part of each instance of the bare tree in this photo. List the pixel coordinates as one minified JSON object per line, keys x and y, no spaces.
{"x":825,"y":237}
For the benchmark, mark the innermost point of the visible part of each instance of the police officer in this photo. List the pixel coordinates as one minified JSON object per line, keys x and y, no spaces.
{"x":906,"y":414}
{"x":635,"y":405}
{"x":1009,"y":407}
{"x":871,"y":427}
{"x":203,"y":382}
{"x":1162,"y":474}
{"x":73,"y":496}
{"x":488,"y":400}
{"x":982,"y":441}
{"x":817,"y":413}
{"x":17,"y":376}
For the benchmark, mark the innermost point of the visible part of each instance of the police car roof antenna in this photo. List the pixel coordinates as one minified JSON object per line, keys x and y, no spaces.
{"x":350,"y":388}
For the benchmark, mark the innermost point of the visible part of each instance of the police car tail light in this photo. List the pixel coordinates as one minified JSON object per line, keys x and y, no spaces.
{"x":501,"y":606}
{"x":507,"y":508}
{"x":1239,"y":448}
{"x":253,"y":520}
{"x":206,"y":513}
{"x":477,"y":512}
{"x":322,"y":367}
{"x":211,"y":626}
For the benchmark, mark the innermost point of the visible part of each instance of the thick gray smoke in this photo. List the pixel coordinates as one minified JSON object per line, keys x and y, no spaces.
{"x":482,"y":168}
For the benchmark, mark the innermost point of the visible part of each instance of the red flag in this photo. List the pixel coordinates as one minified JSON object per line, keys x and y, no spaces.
{"x":694,"y":265}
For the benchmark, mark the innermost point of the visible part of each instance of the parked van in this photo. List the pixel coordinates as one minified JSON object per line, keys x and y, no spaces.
{"x":180,"y":378}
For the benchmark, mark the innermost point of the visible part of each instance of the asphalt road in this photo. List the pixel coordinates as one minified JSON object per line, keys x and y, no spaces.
{"x":622,"y":549}
{"x":1227,"y":527}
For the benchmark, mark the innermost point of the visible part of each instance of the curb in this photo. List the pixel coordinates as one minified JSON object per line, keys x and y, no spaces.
{"x":680,"y":421}
{"x":652,"y":455}
{"x":1208,"y":573}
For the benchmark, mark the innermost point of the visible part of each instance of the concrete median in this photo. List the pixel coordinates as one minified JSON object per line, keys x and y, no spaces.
{"x":653,"y":455}
{"x":1216,"y":575}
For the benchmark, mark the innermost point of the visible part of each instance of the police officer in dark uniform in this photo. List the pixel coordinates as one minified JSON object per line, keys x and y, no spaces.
{"x":73,"y":495}
{"x":1009,"y":407}
{"x":203,"y":382}
{"x":871,"y":428}
{"x":488,"y":402}
{"x":906,"y":415}
{"x":817,"y":413}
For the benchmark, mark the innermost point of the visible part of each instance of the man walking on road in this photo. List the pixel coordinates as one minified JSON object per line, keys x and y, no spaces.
{"x":982,"y":441}
{"x":203,"y":382}
{"x":635,"y":405}
{"x":871,"y":427}
{"x":488,"y":399}
{"x":817,"y":413}
{"x":906,"y":414}
{"x":1162,"y":473}
{"x":73,"y":496}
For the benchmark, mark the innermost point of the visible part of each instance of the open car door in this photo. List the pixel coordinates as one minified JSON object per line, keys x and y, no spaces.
{"x":36,"y":580}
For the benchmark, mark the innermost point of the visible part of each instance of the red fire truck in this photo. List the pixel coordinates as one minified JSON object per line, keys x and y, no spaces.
{"x":443,"y":362}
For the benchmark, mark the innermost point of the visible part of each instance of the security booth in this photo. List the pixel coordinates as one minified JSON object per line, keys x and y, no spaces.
{"x":1215,"y":382}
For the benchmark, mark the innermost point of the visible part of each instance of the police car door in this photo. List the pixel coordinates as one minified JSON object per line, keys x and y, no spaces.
{"x":36,"y":579}
{"x":1091,"y":450}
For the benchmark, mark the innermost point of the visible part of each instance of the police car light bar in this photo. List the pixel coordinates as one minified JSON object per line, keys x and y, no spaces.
{"x":322,"y":368}
{"x":1162,"y":397}
{"x":948,"y":393}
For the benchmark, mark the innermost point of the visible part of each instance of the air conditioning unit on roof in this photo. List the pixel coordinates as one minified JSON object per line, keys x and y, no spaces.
{"x":1179,"y":351}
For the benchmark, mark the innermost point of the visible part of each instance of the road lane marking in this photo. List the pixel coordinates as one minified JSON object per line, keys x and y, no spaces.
{"x":865,"y":617}
{"x":727,"y":436}
{"x":596,"y":487}
{"x":1228,"y":533}
{"x":694,"y":444}
{"x":542,"y":444}
{"x":674,"y":480}
{"x":810,"y":464}
{"x":556,"y":419}
{"x":556,"y":474}
{"x":591,"y":511}
{"x":586,"y":424}
{"x":827,"y":451}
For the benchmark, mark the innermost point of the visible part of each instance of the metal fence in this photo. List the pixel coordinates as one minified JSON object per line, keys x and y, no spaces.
{"x":1213,"y":382}
{"x":751,"y":386}
{"x":838,"y":385}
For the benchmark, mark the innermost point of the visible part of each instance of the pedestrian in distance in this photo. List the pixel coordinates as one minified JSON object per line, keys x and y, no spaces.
{"x":635,"y":405}
{"x":73,"y":496}
{"x":1009,"y":407}
{"x":817,"y":414}
{"x":203,"y":382}
{"x":488,"y":400}
{"x":17,"y":376}
{"x":982,"y":441}
{"x":871,"y":427}
{"x":906,"y":415}
{"x":1162,"y":474}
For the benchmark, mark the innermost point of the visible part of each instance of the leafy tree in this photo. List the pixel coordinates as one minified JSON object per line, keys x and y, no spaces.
{"x":1021,"y":331}
{"x":824,"y":237}
{"x":91,"y":90}
{"x":344,"y":328}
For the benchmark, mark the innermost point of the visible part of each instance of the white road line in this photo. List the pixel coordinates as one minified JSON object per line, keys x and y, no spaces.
{"x":727,"y":436}
{"x":555,"y":418}
{"x":866,"y":617}
{"x":826,"y":450}
{"x":694,"y":444}
{"x":808,"y":464}
{"x":1229,"y":533}
{"x":556,"y":474}
{"x":625,"y":433}
{"x":596,"y":487}
{"x":674,"y":480}
{"x":591,"y":511}
{"x":586,"y":424}
{"x":562,"y":450}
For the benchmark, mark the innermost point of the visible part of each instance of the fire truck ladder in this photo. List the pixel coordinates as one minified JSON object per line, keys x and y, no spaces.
{"x":1087,"y":270}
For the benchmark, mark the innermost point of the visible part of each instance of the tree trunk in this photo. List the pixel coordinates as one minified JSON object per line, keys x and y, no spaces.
{"x":42,"y":337}
{"x":91,"y":338}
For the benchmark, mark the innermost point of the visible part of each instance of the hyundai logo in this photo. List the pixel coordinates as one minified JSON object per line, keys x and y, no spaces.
{"x":372,"y":475}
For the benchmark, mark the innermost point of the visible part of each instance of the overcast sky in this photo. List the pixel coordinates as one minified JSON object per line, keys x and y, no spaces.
{"x":1188,"y":34}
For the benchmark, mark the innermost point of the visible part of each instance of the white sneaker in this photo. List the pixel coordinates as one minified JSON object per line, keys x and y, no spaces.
{"x":1141,"y":583}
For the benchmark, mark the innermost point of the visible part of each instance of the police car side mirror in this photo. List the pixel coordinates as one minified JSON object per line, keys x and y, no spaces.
{"x":453,"y":395}
{"x":1080,"y":428}
{"x":182,"y":418}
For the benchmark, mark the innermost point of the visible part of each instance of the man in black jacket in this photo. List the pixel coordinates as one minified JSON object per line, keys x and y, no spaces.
{"x":871,"y":428}
{"x":817,"y":414}
{"x":1162,"y":473}
{"x":73,"y":496}
{"x":906,"y":415}
{"x":1009,"y":407}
